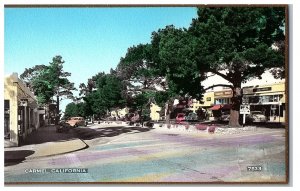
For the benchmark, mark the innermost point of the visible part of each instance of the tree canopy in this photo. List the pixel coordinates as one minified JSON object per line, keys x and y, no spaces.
{"x":107,"y":94}
{"x":48,"y":81}
{"x":236,"y":43}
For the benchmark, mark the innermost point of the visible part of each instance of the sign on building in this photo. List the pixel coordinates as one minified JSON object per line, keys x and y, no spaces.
{"x":245,"y":109}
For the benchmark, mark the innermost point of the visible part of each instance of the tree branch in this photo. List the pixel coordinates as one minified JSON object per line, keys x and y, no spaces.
{"x":220,"y":74}
{"x":223,"y":85}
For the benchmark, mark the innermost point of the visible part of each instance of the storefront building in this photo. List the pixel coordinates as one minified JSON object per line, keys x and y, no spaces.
{"x":21,"y":114}
{"x":269,"y":99}
{"x":207,"y":102}
{"x":223,"y":97}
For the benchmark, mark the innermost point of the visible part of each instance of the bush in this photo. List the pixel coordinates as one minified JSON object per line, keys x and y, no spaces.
{"x":212,"y":129}
{"x":201,"y":127}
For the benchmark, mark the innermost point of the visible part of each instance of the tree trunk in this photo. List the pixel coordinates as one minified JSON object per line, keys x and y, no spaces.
{"x":168,"y":109}
{"x":57,"y":110}
{"x":167,"y":113}
{"x":235,"y":109}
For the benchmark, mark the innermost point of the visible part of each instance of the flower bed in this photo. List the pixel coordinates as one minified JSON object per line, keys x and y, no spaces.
{"x":201,"y":127}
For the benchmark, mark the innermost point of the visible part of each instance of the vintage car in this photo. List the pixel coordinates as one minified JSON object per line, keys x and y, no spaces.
{"x":180,"y":117}
{"x":225,"y":116}
{"x":63,"y":126}
{"x":76,"y":121}
{"x":191,"y":117}
{"x":256,"y":116}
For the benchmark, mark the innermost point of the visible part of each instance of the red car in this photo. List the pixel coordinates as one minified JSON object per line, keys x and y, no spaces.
{"x":180,"y":117}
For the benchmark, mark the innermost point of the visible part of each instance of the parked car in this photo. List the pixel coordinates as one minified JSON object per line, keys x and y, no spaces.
{"x":256,"y":116}
{"x":63,"y":126}
{"x":191,"y":117}
{"x":76,"y":121}
{"x":180,"y":117}
{"x":225,"y":116}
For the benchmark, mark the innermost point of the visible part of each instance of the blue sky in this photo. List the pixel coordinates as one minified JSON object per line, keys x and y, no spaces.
{"x":90,"y":40}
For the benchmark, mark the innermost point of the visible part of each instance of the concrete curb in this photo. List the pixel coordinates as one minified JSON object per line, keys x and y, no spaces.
{"x":49,"y":149}
{"x":82,"y":147}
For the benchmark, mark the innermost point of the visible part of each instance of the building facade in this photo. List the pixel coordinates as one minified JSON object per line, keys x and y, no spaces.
{"x":223,"y":97}
{"x":21,"y":114}
{"x":269,"y":99}
{"x":206,"y":102}
{"x":154,"y":112}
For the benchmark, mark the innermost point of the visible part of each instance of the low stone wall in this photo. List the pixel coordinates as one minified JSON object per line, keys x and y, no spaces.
{"x":114,"y":122}
{"x":230,"y":130}
{"x":203,"y":128}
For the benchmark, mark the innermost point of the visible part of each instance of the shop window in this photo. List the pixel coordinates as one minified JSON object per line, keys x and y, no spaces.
{"x":253,"y":99}
{"x":218,"y":101}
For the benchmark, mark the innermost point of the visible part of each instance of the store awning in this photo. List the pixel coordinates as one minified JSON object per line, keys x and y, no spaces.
{"x":226,"y":106}
{"x":215,"y":107}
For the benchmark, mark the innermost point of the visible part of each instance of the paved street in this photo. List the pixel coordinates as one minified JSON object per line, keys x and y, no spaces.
{"x":135,"y":154}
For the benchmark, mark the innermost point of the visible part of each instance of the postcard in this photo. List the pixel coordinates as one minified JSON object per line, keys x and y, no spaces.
{"x":146,"y":94}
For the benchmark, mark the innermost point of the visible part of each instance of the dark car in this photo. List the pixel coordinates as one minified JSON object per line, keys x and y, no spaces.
{"x":63,"y":126}
{"x":225,"y":116}
{"x":191,"y":117}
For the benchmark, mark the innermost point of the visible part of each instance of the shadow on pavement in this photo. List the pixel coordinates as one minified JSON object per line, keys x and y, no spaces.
{"x":48,"y":134}
{"x":88,"y":134}
{"x":16,"y":157}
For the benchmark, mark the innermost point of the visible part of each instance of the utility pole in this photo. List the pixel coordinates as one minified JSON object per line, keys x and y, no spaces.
{"x":57,"y":108}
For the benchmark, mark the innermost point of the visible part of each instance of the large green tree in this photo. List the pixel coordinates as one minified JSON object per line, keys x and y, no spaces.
{"x":142,"y":83}
{"x":50,"y":82}
{"x":237,"y":44}
{"x":107,"y":94}
{"x":77,"y":109}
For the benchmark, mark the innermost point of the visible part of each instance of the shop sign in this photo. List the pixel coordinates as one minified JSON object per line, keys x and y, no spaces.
{"x":262,"y":89}
{"x":245,"y":109}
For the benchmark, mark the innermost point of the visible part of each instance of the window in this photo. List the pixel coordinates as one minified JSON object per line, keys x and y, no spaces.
{"x":208,"y":99}
{"x":253,"y":99}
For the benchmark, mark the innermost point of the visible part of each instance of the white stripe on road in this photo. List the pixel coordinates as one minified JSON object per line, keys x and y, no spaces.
{"x":83,"y":177}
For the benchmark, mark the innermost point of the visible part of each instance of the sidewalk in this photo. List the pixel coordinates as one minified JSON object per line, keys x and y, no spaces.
{"x":45,"y":142}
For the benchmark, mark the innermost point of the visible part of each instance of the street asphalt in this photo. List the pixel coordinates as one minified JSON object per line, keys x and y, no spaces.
{"x":119,"y":153}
